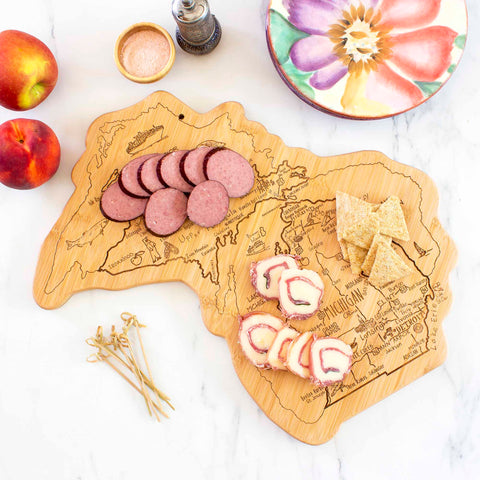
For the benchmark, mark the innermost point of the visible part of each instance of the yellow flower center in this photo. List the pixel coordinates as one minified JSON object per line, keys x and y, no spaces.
{"x":360,"y":43}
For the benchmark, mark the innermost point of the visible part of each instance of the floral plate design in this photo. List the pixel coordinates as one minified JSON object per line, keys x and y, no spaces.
{"x":366,"y":59}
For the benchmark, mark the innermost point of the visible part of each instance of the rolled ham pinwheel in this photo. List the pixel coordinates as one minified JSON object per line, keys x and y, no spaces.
{"x":277,"y":354}
{"x":256,"y":335}
{"x":265,"y":274}
{"x":298,"y":355}
{"x":330,"y":361}
{"x":300,"y":293}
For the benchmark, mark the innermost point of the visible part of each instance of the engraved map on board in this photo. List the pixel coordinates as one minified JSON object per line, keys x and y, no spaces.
{"x":290,"y":210}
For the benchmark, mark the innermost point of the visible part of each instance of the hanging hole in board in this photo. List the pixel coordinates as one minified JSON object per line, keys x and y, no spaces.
{"x":181,"y":116}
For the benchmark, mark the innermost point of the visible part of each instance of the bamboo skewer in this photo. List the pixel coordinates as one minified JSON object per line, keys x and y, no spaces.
{"x":107,"y":350}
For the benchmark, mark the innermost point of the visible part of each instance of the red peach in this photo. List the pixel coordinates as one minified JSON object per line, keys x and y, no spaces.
{"x":29,"y":153}
{"x":28,"y":70}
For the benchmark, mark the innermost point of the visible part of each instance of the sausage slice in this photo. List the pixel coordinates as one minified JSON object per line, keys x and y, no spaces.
{"x":166,"y":211}
{"x":191,"y":165}
{"x":147,"y":174}
{"x":128,"y":180}
{"x":169,"y":171}
{"x":117,"y":206}
{"x":208,"y":204}
{"x":231,"y":170}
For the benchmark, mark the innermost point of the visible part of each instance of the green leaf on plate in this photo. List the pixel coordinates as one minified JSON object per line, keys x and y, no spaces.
{"x":299,"y":79}
{"x":428,"y":88}
{"x":307,"y":90}
{"x":283,"y":35}
{"x":460,"y":41}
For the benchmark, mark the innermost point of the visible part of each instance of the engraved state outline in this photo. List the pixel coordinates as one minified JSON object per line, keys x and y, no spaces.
{"x":267,"y":150}
{"x":101,"y":151}
{"x":328,"y":402}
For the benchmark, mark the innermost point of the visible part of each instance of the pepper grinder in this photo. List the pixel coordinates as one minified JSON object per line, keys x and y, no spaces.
{"x":198,"y":31}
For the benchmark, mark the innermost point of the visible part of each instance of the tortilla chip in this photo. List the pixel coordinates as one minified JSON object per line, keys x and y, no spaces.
{"x":343,"y":248}
{"x":392,"y":219}
{"x":372,"y":253}
{"x":357,"y":256}
{"x":350,"y":211}
{"x":388,"y":267}
{"x":362,"y":233}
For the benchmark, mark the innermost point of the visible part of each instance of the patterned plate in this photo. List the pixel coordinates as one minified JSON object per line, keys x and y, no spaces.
{"x":366,"y":59}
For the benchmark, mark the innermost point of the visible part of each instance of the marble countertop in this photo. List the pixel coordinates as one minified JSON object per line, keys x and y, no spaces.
{"x":62,"y":418}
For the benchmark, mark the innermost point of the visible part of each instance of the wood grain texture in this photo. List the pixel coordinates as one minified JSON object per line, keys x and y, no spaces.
{"x":395,"y":332}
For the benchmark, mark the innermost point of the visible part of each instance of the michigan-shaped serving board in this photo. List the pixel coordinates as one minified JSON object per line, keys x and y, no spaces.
{"x":395,"y":332}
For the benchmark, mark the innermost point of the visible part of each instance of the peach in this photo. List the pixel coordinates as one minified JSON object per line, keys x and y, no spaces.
{"x":28,"y":70}
{"x":29,"y":153}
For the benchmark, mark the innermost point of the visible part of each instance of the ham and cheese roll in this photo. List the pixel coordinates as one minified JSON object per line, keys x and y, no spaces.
{"x":298,"y":355}
{"x":265,"y":274}
{"x":256,"y":335}
{"x":277,"y":355}
{"x":330,"y":361}
{"x":300,"y":293}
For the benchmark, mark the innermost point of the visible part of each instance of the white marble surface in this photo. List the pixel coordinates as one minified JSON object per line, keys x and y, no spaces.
{"x":62,"y":418}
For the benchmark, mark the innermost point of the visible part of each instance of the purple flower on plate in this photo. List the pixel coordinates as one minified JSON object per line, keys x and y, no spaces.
{"x":358,"y":38}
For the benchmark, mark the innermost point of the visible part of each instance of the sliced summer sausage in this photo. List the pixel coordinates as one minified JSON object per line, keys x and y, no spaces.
{"x":147,"y":174}
{"x":231,"y":170}
{"x":166,"y":211}
{"x":191,"y":165}
{"x":169,"y":171}
{"x":116,"y":205}
{"x":128,"y":180}
{"x":208,"y":204}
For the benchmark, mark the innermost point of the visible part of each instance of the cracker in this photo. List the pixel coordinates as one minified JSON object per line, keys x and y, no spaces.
{"x":343,"y":248}
{"x":362,"y":233}
{"x":388,"y":267}
{"x":392,"y":219}
{"x":350,"y":211}
{"x":357,"y":256}
{"x":372,"y":253}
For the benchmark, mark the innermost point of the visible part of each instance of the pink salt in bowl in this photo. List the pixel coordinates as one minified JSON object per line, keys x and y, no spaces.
{"x":144,"y":52}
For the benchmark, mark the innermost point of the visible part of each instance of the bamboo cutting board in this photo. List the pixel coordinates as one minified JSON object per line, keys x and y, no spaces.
{"x":395,"y":332}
